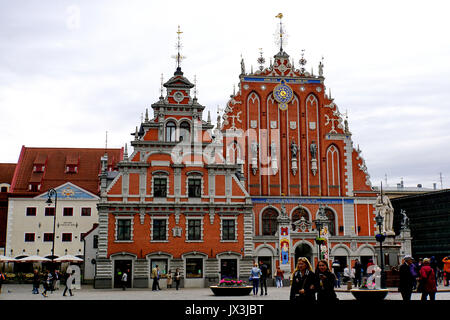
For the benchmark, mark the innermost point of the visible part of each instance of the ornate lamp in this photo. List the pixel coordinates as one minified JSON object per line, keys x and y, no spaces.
{"x":52,"y":192}
{"x":380,"y":238}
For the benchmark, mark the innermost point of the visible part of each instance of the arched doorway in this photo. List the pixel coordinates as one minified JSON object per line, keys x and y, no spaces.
{"x":303,"y":250}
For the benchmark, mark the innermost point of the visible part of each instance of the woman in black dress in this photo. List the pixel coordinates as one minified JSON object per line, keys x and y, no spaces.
{"x":325,"y":280}
{"x":303,"y":282}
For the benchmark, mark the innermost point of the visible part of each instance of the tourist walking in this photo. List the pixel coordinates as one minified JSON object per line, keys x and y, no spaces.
{"x":69,"y":283}
{"x":169,"y":279}
{"x":303,"y":282}
{"x":427,"y":281}
{"x":124,"y":280}
{"x":446,"y":270}
{"x":358,"y":275}
{"x":263,"y":279}
{"x":48,"y":279}
{"x":279,"y":277}
{"x":325,"y":281}
{"x":337,"y":272}
{"x":254,"y":277}
{"x":177,"y":277}
{"x":155,"y":285}
{"x":36,"y":281}
{"x":406,"y":279}
{"x":56,"y":280}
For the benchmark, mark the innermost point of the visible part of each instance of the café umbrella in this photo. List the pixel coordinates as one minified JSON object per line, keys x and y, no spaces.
{"x":68,"y":258}
{"x":33,"y":259}
{"x":6,"y":259}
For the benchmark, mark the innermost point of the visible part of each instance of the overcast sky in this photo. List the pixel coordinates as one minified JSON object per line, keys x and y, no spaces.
{"x":72,"y":70}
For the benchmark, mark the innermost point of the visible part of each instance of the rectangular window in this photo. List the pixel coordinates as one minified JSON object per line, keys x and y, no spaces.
{"x":124,"y":229}
{"x":95,"y":242}
{"x":160,"y":187}
{"x":85,"y":212}
{"x":228,"y":229}
{"x":71,"y":169}
{"x":68,"y":212}
{"x":159,"y":229}
{"x":66,"y":237}
{"x":48,"y":237}
{"x":49,"y":211}
{"x":194,"y":268}
{"x":34,"y":187}
{"x":195,"y":229}
{"x":31,"y":212}
{"x":29,"y":237}
{"x":195,"y":188}
{"x":4,"y":189}
{"x":162,"y":265}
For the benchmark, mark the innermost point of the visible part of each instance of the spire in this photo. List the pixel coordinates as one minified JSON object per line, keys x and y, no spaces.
{"x":146,"y":114}
{"x":281,"y":32}
{"x":302,"y":62}
{"x":195,"y":86}
{"x":179,"y":57}
{"x":136,"y":134}
{"x":209,"y":117}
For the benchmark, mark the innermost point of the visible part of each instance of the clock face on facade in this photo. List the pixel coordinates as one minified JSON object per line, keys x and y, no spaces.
{"x":283,"y":94}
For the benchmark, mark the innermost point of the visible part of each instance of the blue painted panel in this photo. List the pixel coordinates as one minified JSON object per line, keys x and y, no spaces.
{"x":69,"y":192}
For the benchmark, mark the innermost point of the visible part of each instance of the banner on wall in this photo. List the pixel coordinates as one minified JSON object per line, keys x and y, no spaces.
{"x":324,"y":247}
{"x":285,"y":244}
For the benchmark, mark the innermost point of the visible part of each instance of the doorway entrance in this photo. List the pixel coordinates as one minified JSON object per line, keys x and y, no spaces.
{"x":121,"y":266}
{"x":304,"y":250}
{"x":228,"y":268}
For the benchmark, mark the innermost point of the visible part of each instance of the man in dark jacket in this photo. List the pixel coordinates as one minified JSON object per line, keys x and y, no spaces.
{"x":406,"y":279}
{"x":264,"y":273}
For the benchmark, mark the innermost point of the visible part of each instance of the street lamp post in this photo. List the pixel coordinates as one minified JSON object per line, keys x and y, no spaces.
{"x":380,"y":238}
{"x":52,"y":192}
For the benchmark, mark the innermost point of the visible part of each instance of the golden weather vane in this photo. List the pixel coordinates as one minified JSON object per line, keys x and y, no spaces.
{"x":280,"y":16}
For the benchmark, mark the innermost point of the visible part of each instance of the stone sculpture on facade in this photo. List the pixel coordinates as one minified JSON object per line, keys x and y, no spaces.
{"x":405,"y":220}
{"x":254,"y":149}
{"x":313,"y":152}
{"x":294,"y":151}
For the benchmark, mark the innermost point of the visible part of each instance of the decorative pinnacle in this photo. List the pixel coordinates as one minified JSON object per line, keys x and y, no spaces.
{"x":261,"y":59}
{"x":302,"y":61}
{"x":195,"y":86}
{"x":162,"y":85}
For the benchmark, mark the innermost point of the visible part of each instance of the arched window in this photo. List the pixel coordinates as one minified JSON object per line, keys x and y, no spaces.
{"x":297,"y":215}
{"x":269,"y":222}
{"x":185,"y":131}
{"x":170,"y":131}
{"x":331,"y":222}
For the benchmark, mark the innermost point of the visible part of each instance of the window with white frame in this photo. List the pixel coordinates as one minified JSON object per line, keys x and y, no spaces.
{"x":194,"y":229}
{"x":159,"y":229}
{"x":124,"y":229}
{"x":228,"y":229}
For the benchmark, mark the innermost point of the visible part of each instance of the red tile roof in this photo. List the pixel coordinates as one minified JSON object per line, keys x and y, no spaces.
{"x":88,"y":160}
{"x":7,"y":172}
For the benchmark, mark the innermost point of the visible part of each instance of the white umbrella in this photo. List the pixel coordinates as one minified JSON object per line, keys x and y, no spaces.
{"x":68,"y":258}
{"x":33,"y":259}
{"x":6,"y":259}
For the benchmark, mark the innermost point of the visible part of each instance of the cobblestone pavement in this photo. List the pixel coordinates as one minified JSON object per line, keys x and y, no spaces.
{"x":87,"y":292}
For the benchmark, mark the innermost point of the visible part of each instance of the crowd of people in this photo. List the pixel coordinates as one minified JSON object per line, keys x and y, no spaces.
{"x":51,"y":281}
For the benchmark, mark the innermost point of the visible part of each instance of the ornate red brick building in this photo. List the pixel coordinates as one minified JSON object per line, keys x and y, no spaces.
{"x":211,"y":201}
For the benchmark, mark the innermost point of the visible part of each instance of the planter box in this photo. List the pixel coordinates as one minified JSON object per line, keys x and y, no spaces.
{"x":231,"y":291}
{"x":369,"y":294}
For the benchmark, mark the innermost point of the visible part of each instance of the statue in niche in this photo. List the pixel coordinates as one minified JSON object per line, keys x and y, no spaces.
{"x":294,"y":150}
{"x":254,"y":149}
{"x":313,"y":150}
